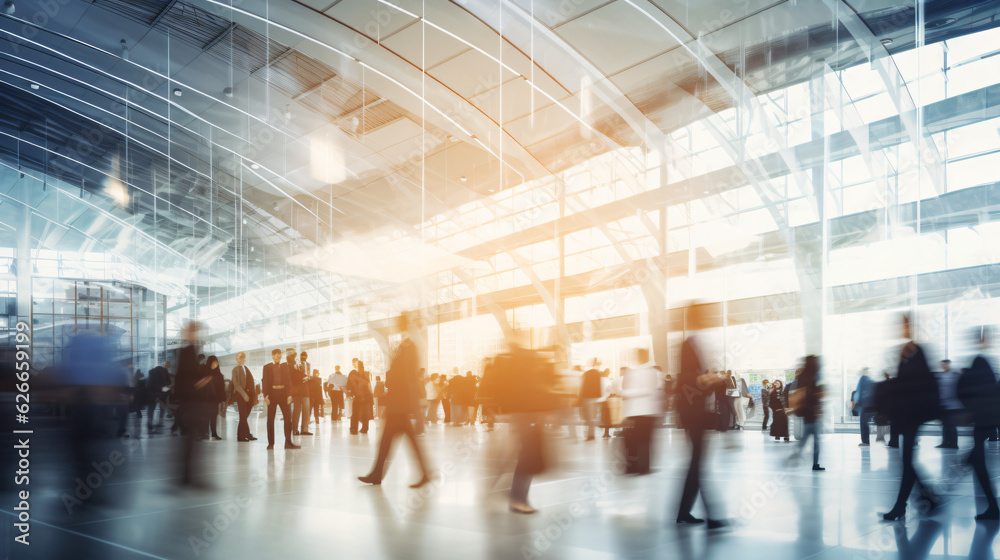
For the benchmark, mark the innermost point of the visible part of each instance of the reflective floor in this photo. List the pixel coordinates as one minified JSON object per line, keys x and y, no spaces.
{"x":304,"y":503}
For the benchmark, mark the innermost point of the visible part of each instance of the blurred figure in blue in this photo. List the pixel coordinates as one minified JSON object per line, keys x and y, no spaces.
{"x":862,"y":406}
{"x":914,"y":396}
{"x":694,"y":384}
{"x":95,"y":390}
{"x":977,"y":390}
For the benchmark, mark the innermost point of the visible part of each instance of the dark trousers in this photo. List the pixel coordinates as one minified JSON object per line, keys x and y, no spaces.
{"x":193,"y":416}
{"x":910,"y":478}
{"x":692,"y":484}
{"x":767,"y":415}
{"x":214,"y":418}
{"x":524,"y":471}
{"x":280,"y":400}
{"x":317,"y":408}
{"x":893,"y":435}
{"x":300,"y":413}
{"x":243,"y":427}
{"x":334,"y":406}
{"x":977,"y":459}
{"x":151,"y":408}
{"x":396,"y":424}
{"x":865,"y":416}
{"x":949,"y":428}
{"x":446,"y":405}
{"x":642,"y":438}
{"x":356,"y":417}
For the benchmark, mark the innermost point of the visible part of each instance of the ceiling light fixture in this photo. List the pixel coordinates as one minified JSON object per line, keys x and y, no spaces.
{"x":254,"y":166}
{"x":34,"y":86}
{"x":178,"y":92}
{"x":244,"y":221}
{"x":8,"y":8}
{"x":887,"y":41}
{"x":463,"y":178}
{"x":228,"y":92}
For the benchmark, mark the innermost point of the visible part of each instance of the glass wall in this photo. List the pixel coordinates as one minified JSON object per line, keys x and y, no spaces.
{"x":299,"y":176}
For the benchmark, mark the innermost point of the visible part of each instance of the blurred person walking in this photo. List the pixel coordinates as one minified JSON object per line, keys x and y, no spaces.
{"x":978,"y":391}
{"x":951,"y":407}
{"x":641,"y":406}
{"x":693,"y":386}
{"x":522,"y":385}
{"x":197,"y":395}
{"x":276,"y":388}
{"x":808,"y":398}
{"x":914,"y":393}
{"x":403,"y":391}
{"x":245,"y":396}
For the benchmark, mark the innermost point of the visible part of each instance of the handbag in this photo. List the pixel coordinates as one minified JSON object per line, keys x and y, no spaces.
{"x":796,"y":399}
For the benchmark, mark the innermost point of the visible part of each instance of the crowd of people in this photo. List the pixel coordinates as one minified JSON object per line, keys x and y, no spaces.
{"x":522,"y":389}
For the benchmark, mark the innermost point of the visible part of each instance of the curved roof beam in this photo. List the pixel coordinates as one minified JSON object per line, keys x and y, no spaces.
{"x":147,"y":92}
{"x":895,"y":86}
{"x":351,"y":59}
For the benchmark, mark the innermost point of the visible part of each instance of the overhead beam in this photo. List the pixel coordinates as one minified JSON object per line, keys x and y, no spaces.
{"x":219,"y":37}
{"x":163,"y":12}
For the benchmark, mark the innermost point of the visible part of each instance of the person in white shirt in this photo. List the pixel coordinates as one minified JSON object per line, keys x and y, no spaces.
{"x":641,"y":405}
{"x":433,"y":390}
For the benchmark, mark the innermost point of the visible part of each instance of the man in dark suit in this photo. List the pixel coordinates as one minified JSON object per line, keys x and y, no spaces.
{"x":276,"y":385}
{"x":245,"y":397}
{"x":159,"y":379}
{"x":404,"y":390}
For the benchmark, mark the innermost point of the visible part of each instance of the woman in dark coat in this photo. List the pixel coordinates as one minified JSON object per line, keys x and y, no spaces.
{"x":359,"y":386}
{"x":776,"y":400}
{"x":914,"y":395}
{"x":977,"y":389}
{"x":219,"y":385}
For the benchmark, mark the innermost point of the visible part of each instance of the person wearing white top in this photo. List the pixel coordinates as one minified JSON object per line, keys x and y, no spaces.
{"x":433,"y":390}
{"x":641,"y":405}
